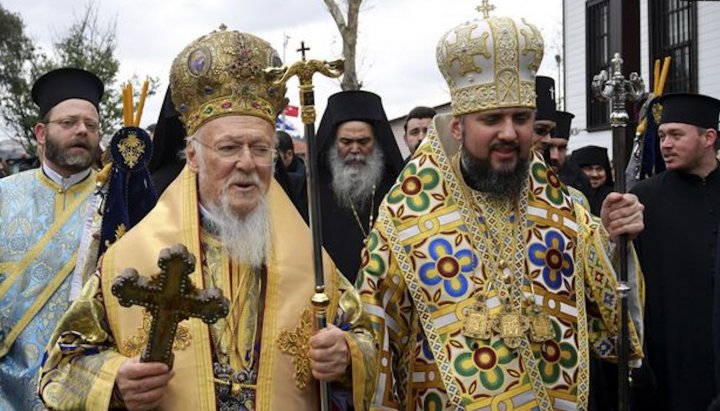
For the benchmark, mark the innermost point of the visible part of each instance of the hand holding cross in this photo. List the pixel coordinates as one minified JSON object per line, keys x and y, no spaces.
{"x":170,"y":297}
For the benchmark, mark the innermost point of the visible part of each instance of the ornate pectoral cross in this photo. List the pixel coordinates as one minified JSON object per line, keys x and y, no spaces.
{"x":170,"y":297}
{"x":478,"y":323}
{"x":511,"y":327}
{"x":539,"y":323}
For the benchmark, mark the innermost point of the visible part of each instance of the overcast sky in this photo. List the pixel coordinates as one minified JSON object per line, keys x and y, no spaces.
{"x":396,"y":46}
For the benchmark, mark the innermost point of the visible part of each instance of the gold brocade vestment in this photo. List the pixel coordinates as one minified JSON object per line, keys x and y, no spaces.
{"x":437,"y":245}
{"x":103,"y":334}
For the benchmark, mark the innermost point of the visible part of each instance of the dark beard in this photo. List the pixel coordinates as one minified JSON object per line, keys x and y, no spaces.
{"x":74,"y":163}
{"x":500,"y":184}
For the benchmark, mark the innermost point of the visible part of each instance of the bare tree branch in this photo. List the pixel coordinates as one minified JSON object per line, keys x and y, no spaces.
{"x":348,"y":31}
{"x":88,"y":43}
{"x":336,"y":14}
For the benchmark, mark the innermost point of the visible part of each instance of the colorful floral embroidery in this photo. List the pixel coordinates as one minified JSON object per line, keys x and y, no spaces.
{"x":553,"y":256}
{"x":485,"y":363}
{"x":554,"y":189}
{"x":433,"y":402}
{"x":447,"y":266}
{"x":413,"y":186}
{"x":372,"y":263}
{"x":556,"y":355}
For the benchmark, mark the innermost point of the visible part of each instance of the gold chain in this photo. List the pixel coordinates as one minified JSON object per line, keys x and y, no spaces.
{"x":512,"y":324}
{"x":357,"y":217}
{"x":475,"y":198}
{"x":500,"y":264}
{"x":230,"y":325}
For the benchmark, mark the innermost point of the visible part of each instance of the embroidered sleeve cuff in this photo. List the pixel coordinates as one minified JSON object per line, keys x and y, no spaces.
{"x":103,"y":389}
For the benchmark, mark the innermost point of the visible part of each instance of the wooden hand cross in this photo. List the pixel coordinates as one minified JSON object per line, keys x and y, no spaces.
{"x":170,"y":297}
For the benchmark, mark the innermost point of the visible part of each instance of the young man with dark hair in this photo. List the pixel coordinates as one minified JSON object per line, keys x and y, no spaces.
{"x":595,"y":164}
{"x":416,"y":126}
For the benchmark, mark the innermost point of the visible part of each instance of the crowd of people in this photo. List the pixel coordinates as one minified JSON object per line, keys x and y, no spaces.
{"x":480,"y":272}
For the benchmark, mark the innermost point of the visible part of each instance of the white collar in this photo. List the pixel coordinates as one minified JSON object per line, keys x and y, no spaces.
{"x":63,"y":182}
{"x":203,"y":211}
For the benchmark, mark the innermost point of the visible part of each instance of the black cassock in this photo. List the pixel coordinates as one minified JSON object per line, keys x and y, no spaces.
{"x":342,"y":236}
{"x":596,"y":198}
{"x":678,"y":255}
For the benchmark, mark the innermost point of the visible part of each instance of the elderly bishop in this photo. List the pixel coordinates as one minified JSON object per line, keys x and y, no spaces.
{"x":248,"y":241}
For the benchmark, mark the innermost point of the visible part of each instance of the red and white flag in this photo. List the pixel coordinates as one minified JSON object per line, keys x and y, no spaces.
{"x":291,"y":111}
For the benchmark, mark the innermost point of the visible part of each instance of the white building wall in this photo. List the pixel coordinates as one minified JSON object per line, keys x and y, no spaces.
{"x":708,"y":14}
{"x":575,"y":53}
{"x":645,"y":44}
{"x":576,"y":88}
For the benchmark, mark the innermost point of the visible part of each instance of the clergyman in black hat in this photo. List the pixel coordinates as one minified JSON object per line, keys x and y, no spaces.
{"x":595,"y":164}
{"x":557,"y":157}
{"x":550,"y":144}
{"x":358,"y":162}
{"x":545,"y":111}
{"x":678,"y":253}
{"x":42,"y":215}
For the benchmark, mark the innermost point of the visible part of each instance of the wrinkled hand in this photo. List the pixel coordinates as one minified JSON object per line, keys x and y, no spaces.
{"x":142,"y":385}
{"x":622,"y":214}
{"x":329,"y":354}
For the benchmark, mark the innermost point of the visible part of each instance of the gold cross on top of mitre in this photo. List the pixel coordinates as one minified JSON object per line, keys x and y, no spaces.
{"x":485,"y":8}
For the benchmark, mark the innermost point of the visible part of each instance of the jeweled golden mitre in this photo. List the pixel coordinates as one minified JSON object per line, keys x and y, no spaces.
{"x":223,"y":73}
{"x":490,"y":63}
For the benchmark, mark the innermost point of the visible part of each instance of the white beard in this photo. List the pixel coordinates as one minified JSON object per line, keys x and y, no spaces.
{"x":353,"y":183}
{"x":245,"y":238}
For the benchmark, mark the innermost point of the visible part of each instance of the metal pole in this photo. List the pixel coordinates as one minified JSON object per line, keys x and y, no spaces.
{"x":286,"y":38}
{"x":559,"y":105}
{"x":619,"y":90}
{"x":304,"y":70}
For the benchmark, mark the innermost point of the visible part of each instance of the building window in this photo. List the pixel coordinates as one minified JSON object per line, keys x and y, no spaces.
{"x":598,"y":58}
{"x":673,"y":32}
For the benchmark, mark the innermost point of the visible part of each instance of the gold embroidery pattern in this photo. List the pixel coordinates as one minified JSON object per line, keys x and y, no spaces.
{"x":119,"y":232}
{"x":484,"y":97}
{"x":499,"y":46}
{"x":507,"y":64}
{"x":134,"y":345}
{"x":534,"y":44}
{"x":480,"y":97}
{"x":466,"y":48}
{"x":295,"y":344}
{"x":131,"y":148}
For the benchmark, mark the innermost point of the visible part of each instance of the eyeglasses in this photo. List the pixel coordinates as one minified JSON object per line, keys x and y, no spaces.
{"x":70,"y":123}
{"x":263,"y":155}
